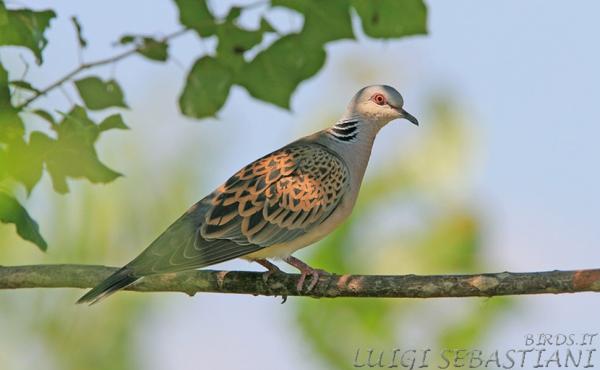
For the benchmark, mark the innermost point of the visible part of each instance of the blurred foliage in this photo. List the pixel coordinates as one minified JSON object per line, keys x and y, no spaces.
{"x":444,"y":238}
{"x":24,"y":27}
{"x":277,"y":66}
{"x":97,"y":94}
{"x":11,"y":211}
{"x":55,"y":331}
{"x":43,"y":328}
{"x":391,"y":18}
{"x":149,"y":47}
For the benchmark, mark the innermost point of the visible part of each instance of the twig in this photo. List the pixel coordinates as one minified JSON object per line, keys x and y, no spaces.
{"x":97,"y":63}
{"x":383,"y":286}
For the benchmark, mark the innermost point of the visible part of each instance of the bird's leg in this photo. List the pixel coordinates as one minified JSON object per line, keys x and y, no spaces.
{"x":271,"y":269}
{"x":305,"y":270}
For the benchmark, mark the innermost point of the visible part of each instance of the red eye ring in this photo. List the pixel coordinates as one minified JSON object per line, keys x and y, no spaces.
{"x":379,"y":99}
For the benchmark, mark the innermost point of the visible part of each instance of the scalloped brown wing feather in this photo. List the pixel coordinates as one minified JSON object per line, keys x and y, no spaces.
{"x":278,"y":197}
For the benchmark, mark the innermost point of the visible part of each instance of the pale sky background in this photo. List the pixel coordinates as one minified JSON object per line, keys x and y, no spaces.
{"x":527,"y":75}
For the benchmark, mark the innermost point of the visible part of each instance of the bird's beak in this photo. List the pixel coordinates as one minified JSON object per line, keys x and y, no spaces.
{"x":409,"y":117}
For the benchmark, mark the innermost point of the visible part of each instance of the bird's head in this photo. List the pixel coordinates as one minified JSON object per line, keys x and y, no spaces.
{"x":379,"y":104}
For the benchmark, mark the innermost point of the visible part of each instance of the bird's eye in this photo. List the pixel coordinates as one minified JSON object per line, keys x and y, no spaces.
{"x":379,"y":99}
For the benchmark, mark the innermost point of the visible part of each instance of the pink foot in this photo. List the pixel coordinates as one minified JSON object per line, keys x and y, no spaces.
{"x":305,"y":270}
{"x":271,"y":269}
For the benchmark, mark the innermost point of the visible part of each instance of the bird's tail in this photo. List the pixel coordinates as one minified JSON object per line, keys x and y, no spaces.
{"x":110,"y":285}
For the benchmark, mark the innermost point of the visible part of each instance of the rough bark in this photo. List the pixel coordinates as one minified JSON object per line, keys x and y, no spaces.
{"x":383,"y":286}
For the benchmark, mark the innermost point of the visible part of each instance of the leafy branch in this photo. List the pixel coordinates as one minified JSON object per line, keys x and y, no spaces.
{"x":85,"y":66}
{"x":331,"y":286}
{"x":270,"y":73}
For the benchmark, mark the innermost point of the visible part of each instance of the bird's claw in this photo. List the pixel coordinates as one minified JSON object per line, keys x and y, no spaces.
{"x":267,"y":274}
{"x":314,"y":273}
{"x":271,"y":269}
{"x":305,"y":270}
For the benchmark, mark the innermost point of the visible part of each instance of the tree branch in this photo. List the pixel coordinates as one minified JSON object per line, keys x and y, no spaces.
{"x":384,"y":286}
{"x":90,"y":65}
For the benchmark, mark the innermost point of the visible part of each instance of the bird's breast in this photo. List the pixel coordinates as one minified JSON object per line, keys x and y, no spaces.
{"x":283,"y":250}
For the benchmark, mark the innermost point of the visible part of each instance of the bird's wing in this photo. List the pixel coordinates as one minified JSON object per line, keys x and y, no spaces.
{"x":278,"y":197}
{"x":181,"y":248}
{"x":275,"y":199}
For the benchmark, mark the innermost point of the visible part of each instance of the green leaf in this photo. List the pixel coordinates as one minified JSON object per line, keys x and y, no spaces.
{"x":3,"y":164}
{"x":26,"y":28}
{"x":24,"y":85}
{"x":234,"y":13}
{"x":234,"y":42}
{"x":72,"y":154}
{"x":97,"y":94}
{"x":392,"y":18}
{"x":82,"y":41}
{"x":11,"y":126}
{"x":196,"y":15}
{"x":154,"y":49}
{"x":76,"y":126}
{"x":45,"y":115}
{"x":206,"y":88}
{"x":148,"y":46}
{"x":127,"y":39}
{"x":4,"y":90}
{"x":323,"y":20}
{"x":13,"y":212}
{"x":24,"y":163}
{"x":114,"y":121}
{"x":274,"y":73}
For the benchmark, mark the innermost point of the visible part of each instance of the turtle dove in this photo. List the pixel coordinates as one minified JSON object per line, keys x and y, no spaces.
{"x":269,"y":209}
